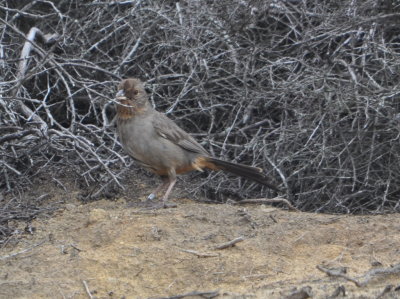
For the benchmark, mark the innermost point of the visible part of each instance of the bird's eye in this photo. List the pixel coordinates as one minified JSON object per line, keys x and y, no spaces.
{"x":135,"y":91}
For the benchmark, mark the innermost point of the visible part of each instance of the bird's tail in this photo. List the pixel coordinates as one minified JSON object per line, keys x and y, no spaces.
{"x":252,"y":173}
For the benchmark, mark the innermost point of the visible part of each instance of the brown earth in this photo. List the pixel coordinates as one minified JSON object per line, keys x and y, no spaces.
{"x":120,"y":250}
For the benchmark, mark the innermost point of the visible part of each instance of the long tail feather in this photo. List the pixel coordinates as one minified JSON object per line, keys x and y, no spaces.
{"x":253,"y":173}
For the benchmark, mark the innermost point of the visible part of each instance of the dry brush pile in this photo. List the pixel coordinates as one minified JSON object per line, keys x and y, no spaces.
{"x":308,"y":90}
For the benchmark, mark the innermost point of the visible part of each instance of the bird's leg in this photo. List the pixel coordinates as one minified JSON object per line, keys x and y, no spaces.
{"x":164,"y":184}
{"x":165,"y":198}
{"x":172,"y":181}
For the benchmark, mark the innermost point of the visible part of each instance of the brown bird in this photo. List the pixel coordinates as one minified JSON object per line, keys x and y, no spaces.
{"x":159,"y":145}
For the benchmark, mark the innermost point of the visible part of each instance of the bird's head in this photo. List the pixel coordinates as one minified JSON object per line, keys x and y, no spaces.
{"x":131,"y":98}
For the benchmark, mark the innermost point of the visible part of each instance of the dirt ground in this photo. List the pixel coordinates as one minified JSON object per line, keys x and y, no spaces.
{"x":117,"y":249}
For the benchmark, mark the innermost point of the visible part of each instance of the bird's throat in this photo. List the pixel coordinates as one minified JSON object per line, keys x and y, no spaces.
{"x":126,"y":109}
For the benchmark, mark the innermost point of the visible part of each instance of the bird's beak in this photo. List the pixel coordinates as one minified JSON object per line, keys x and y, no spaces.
{"x":120,"y":94}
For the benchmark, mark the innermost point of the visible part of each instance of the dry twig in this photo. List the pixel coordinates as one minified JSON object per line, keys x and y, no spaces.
{"x":230,"y":243}
{"x":22,"y":251}
{"x":87,"y":289}
{"x":268,"y":201}
{"x":199,"y":254}
{"x":207,"y":294}
{"x":364,"y":279}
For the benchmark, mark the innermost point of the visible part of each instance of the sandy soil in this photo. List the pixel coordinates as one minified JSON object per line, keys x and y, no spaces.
{"x":116,"y":249}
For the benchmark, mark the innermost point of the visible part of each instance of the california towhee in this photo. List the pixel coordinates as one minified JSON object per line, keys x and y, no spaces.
{"x":159,"y":145}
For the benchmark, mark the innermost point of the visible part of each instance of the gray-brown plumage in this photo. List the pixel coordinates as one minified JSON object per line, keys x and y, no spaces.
{"x":159,"y":145}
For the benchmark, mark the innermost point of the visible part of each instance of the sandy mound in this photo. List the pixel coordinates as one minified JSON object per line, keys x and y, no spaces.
{"x":116,"y":251}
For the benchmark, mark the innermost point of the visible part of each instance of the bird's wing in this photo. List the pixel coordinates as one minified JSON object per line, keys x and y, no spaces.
{"x":168,"y":129}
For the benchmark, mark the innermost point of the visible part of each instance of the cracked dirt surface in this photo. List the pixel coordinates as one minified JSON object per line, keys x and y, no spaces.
{"x":120,"y":250}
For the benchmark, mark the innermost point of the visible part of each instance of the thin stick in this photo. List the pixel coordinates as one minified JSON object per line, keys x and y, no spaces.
{"x":87,"y":289}
{"x":199,"y":254}
{"x":230,"y":243}
{"x":268,"y":201}
{"x":73,"y":246}
{"x":386,"y":290}
{"x":335,"y":273}
{"x":209,"y":294}
{"x":366,"y":277}
{"x":379,"y":271}
{"x":22,"y":251}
